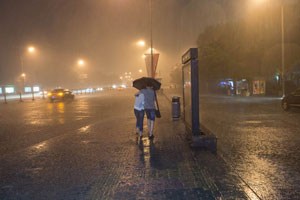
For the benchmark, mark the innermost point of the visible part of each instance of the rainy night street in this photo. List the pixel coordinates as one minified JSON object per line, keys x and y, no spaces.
{"x":80,"y":83}
{"x":88,"y":149}
{"x":259,"y":140}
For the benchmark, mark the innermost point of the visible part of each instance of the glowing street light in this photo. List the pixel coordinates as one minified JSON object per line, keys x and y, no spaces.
{"x":31,"y":49}
{"x":80,"y":62}
{"x":141,"y":43}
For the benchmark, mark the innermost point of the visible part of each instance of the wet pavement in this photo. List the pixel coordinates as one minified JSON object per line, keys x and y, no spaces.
{"x":88,"y":149}
{"x":258,"y":140}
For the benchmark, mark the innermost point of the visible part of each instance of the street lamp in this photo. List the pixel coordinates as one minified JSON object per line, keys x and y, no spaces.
{"x":31,"y":50}
{"x":82,"y":75}
{"x":80,"y":62}
{"x":282,"y":43}
{"x":141,"y":43}
{"x":23,"y":75}
{"x":282,"y":48}
{"x":151,"y":39}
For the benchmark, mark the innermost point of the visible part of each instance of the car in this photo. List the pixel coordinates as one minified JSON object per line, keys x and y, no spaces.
{"x":291,"y":100}
{"x":120,"y":88}
{"x":60,"y":94}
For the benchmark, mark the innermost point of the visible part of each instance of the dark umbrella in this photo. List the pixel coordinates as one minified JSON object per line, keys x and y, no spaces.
{"x":141,"y":83}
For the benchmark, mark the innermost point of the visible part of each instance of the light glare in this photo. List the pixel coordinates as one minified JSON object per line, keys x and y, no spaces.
{"x":31,"y":49}
{"x":141,"y":43}
{"x":80,"y":62}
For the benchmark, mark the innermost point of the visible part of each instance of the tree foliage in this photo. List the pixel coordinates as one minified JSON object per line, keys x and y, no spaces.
{"x":250,"y":47}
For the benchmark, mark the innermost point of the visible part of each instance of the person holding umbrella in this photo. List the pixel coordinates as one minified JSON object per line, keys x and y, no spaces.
{"x":149,"y":108}
{"x":139,"y":112}
{"x":147,"y":86}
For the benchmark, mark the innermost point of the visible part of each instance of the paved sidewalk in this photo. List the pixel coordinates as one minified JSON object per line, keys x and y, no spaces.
{"x":105,"y":160}
{"x":174,"y":171}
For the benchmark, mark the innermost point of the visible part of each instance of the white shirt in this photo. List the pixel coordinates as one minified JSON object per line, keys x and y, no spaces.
{"x":139,"y":102}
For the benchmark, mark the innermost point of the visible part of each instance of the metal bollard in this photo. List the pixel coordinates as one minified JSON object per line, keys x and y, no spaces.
{"x":5,"y":97}
{"x":32,"y":93}
{"x":176,"y":108}
{"x":21,"y":100}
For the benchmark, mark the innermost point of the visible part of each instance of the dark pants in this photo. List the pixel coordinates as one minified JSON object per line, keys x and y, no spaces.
{"x":150,"y":114}
{"x":139,"y":114}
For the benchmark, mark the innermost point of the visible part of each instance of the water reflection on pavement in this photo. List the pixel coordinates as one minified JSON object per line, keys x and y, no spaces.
{"x":259,"y":140}
{"x":87,"y":149}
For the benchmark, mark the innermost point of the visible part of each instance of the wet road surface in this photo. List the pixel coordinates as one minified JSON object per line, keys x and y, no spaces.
{"x":259,"y":140}
{"x":88,"y":149}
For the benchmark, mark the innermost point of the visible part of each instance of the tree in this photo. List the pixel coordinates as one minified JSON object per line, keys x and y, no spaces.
{"x":249,"y":47}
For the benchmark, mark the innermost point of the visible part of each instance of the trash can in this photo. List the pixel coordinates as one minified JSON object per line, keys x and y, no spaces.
{"x":176,"y":108}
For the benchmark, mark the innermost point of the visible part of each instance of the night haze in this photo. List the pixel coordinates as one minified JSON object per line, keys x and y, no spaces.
{"x":103,"y":33}
{"x":149,"y":99}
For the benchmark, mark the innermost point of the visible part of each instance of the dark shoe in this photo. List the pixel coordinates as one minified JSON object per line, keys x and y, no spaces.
{"x":151,"y":137}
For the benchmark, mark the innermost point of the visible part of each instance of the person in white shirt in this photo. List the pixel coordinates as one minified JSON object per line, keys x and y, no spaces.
{"x":139,"y":112}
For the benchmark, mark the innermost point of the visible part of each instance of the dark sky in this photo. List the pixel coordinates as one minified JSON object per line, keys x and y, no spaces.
{"x":102,"y":32}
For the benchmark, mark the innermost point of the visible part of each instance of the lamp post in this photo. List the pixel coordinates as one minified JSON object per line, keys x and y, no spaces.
{"x":151,"y":39}
{"x":282,"y":49}
{"x":282,"y":43}
{"x":81,"y":63}
{"x":30,"y":50}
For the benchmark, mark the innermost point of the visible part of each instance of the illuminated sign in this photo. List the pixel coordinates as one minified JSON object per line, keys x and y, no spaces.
{"x":9,"y":90}
{"x":36,"y":88}
{"x":27,"y":89}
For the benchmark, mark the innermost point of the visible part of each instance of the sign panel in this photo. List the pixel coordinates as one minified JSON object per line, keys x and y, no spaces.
{"x":36,"y":88}
{"x":9,"y":90}
{"x":27,"y":89}
{"x":187,"y":95}
{"x":191,"y":96}
{"x":259,"y":87}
